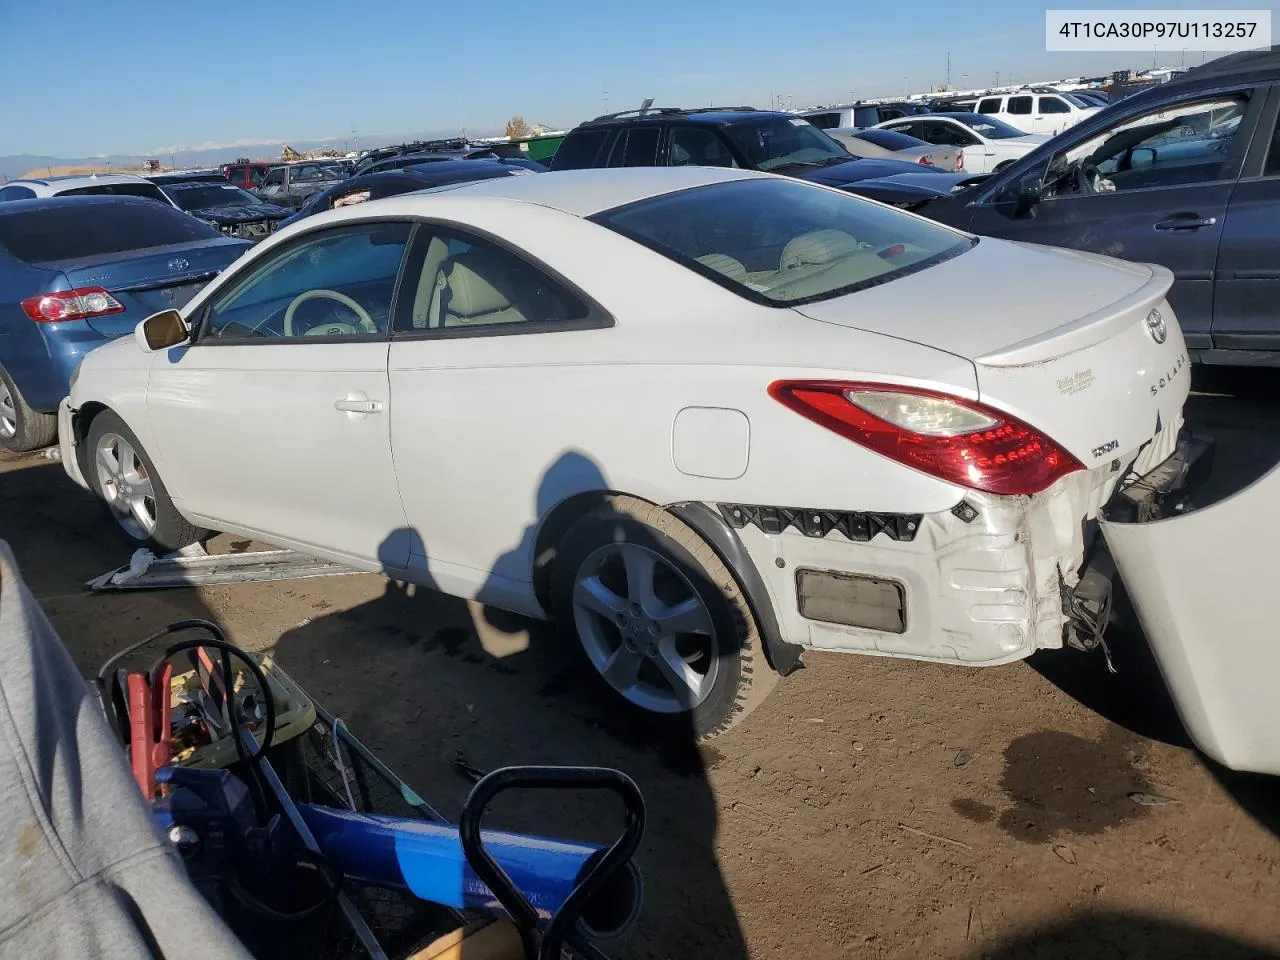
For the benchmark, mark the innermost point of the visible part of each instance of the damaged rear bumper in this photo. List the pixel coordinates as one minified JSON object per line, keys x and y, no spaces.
{"x":1202,"y":582}
{"x":987,"y":582}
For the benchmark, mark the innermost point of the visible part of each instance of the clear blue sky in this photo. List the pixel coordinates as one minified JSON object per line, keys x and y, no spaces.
{"x":81,"y":78}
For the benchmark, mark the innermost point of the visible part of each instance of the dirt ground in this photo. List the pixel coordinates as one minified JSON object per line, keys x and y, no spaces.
{"x":869,"y":809}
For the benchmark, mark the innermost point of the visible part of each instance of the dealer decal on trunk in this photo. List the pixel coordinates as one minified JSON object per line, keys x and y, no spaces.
{"x":1169,"y":377}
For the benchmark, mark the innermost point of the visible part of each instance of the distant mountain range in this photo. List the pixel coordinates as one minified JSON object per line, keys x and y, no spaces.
{"x":20,"y":164}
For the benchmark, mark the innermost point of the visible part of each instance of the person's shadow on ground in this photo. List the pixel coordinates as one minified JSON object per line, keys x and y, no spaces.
{"x":1101,"y":935}
{"x":443,"y":689}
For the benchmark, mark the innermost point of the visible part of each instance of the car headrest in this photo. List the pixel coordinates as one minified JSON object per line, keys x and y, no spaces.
{"x":723,"y":263}
{"x":818,"y":247}
{"x":470,"y":293}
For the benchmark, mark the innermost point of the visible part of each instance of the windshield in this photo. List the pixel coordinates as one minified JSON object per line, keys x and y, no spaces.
{"x":213,"y":195}
{"x":776,"y":142}
{"x":989,"y":127}
{"x":783,"y":242}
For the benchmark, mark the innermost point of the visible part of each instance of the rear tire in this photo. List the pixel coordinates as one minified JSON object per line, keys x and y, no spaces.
{"x":130,"y":488}
{"x":21,"y":428}
{"x":627,"y":577}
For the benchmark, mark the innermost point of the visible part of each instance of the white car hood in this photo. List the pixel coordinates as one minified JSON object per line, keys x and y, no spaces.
{"x":991,"y":297}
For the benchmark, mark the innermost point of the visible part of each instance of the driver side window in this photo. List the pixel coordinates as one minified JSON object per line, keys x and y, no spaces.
{"x":1177,"y":145}
{"x":336,"y":283}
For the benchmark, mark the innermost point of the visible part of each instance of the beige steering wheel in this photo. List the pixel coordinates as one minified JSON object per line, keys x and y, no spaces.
{"x":366,"y":321}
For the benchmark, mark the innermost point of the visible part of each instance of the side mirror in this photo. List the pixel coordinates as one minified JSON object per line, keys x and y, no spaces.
{"x":1142,"y":157}
{"x":161,"y":330}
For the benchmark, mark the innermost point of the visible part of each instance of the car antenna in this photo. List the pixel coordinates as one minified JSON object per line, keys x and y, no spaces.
{"x":645,"y":105}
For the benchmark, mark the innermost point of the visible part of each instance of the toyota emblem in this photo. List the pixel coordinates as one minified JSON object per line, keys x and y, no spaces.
{"x":178,"y":263}
{"x":1156,"y":326}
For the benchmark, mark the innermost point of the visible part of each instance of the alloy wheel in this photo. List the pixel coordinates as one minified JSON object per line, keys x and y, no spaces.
{"x":645,"y":628}
{"x":8,"y":413}
{"x":126,"y":485}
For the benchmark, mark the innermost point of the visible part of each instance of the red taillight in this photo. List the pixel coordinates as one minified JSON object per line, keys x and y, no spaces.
{"x":71,"y":305}
{"x":959,"y":159}
{"x":956,"y":440}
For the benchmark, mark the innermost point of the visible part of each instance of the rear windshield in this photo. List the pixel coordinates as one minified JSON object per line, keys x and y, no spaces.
{"x":148,"y":190}
{"x":784,"y":242}
{"x":990,"y":127}
{"x":92,"y":229}
{"x":888,"y":139}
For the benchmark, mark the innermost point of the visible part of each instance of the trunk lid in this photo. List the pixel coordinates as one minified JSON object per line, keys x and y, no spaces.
{"x":1060,"y":339}
{"x":151,"y":279}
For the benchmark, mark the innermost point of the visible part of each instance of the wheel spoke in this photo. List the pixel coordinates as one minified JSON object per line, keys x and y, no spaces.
{"x":688,"y":616}
{"x":141,"y":487}
{"x":6,"y":407}
{"x":685,"y":682}
{"x":640,"y":565}
{"x":622,"y":668}
{"x":592,"y":594}
{"x":107,"y":461}
{"x":142,"y":513}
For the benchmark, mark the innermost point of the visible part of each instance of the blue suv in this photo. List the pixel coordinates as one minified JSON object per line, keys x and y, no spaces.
{"x":77,"y":272}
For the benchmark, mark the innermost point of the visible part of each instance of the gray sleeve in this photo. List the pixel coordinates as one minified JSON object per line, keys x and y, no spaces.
{"x":83,"y":872}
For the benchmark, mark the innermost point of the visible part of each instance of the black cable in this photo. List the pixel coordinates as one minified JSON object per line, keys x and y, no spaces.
{"x":323,"y":866}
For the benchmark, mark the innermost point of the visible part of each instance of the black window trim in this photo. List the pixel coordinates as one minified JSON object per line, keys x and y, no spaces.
{"x":1264,"y":140}
{"x":718,"y":278}
{"x":597,"y":318}
{"x":200,"y":329}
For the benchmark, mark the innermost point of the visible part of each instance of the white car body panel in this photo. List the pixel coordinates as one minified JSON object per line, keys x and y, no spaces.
{"x":328,"y":479}
{"x":1203,"y":584}
{"x":1064,"y":361}
{"x":481,"y":435}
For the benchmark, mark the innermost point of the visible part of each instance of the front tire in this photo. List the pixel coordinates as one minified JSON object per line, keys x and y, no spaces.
{"x":661,"y":620}
{"x":130,"y":488}
{"x":21,"y":428}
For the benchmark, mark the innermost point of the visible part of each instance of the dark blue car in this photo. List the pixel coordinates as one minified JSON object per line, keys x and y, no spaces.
{"x":76,"y":272}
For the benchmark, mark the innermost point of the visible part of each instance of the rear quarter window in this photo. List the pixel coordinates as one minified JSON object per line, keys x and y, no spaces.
{"x":78,"y":230}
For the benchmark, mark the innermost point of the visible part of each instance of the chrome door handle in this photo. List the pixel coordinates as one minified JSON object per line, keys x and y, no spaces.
{"x":358,"y":404}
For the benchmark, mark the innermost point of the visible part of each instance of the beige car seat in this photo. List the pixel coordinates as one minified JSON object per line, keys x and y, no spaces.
{"x":469,"y":288}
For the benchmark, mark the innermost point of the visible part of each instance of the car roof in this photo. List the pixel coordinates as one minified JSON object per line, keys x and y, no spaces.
{"x":586,"y":192}
{"x":1244,"y":63}
{"x":82,"y":180}
{"x":712,"y":116}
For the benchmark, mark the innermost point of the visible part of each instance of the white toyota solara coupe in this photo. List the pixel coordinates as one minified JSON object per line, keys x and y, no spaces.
{"x":706,"y":418}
